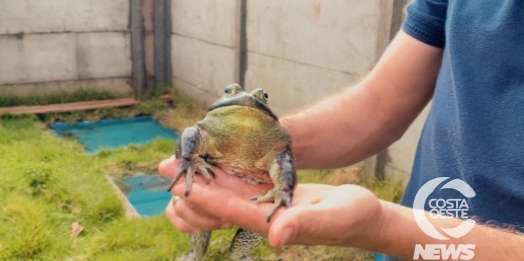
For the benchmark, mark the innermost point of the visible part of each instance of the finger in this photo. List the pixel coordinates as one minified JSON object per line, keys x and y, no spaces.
{"x":197,"y":219}
{"x":311,"y":222}
{"x":228,"y":205}
{"x":168,"y":167}
{"x":177,"y":222}
{"x":291,"y":227}
{"x":303,"y":219}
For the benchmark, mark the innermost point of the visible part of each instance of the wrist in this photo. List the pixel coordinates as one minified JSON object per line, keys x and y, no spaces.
{"x":371,"y":230}
{"x":399,"y":231}
{"x":386,"y":232}
{"x":374,"y":235}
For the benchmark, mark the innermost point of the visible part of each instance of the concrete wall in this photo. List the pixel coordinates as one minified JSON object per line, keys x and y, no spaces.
{"x":298,"y":50}
{"x":149,"y":41}
{"x":57,"y":45}
{"x":302,"y":50}
{"x":203,"y":47}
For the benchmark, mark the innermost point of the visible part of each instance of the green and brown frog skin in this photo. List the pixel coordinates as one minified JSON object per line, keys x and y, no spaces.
{"x":243,"y":137}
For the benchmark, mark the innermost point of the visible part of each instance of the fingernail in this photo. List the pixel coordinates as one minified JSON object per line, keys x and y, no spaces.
{"x":286,"y":235}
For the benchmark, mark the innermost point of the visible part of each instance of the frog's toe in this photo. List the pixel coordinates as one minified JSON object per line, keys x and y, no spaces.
{"x":184,"y":167}
{"x":267,"y":197}
{"x":203,"y":167}
{"x":189,"y":168}
{"x":278,"y":197}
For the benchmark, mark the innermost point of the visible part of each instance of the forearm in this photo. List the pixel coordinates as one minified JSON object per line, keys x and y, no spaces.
{"x":339,"y":130}
{"x":367,"y":118}
{"x":399,"y":234}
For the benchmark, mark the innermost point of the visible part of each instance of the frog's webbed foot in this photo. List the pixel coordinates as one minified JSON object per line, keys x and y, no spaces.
{"x":278,"y":197}
{"x":190,"y":161}
{"x":283,"y":175}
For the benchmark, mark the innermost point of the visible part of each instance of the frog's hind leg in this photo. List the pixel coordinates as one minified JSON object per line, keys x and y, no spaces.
{"x":199,"y":243}
{"x":243,"y":244}
{"x":283,"y":175}
{"x":188,"y":153}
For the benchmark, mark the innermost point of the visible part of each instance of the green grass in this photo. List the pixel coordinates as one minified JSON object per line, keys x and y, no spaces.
{"x":47,"y":184}
{"x":147,"y":106}
{"x":154,"y":107}
{"x":9,"y":100}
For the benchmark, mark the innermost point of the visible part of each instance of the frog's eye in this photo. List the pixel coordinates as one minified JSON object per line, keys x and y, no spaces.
{"x":262,"y":95}
{"x":232,"y":89}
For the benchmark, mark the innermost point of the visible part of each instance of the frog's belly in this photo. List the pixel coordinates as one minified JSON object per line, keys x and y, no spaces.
{"x":248,"y":172}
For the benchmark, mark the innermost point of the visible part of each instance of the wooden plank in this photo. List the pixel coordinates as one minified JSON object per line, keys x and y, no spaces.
{"x":66,"y":107}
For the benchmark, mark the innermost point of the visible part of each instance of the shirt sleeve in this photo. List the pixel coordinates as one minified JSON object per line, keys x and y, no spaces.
{"x":426,"y":21}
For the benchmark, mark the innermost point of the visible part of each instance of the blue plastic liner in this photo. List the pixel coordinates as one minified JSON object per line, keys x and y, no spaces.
{"x":148,"y":194}
{"x":114,"y":133}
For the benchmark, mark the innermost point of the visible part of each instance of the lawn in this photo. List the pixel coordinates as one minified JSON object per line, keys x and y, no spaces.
{"x":48,"y":184}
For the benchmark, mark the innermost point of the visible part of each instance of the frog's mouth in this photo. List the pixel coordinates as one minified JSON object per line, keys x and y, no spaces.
{"x":243,"y":99}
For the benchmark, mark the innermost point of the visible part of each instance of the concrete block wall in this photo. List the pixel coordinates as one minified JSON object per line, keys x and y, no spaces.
{"x":59,"y":45}
{"x":298,"y":50}
{"x":149,"y":40}
{"x":302,"y":50}
{"x":203,"y":47}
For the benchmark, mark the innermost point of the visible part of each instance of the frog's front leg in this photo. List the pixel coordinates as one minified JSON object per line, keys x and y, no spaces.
{"x":283,"y":175}
{"x":199,"y":244}
{"x":191,"y":157}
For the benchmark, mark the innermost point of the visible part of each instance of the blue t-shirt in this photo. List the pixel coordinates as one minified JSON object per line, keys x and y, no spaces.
{"x":475,"y":128}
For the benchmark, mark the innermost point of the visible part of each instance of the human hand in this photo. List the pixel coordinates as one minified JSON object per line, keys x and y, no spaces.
{"x":346,"y":215}
{"x":189,"y":218}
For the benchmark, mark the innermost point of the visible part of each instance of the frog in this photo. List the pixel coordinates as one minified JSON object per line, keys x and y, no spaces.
{"x":241,"y":135}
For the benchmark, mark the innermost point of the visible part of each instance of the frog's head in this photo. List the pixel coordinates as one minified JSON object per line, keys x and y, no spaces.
{"x":235,"y":95}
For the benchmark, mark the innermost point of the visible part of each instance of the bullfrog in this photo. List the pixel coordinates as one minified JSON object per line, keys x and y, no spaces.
{"x":241,"y":135}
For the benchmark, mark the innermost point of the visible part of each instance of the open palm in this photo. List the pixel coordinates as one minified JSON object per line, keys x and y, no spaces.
{"x":320,"y":214}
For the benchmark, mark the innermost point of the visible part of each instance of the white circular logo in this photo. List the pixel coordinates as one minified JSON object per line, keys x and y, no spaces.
{"x":441,"y":208}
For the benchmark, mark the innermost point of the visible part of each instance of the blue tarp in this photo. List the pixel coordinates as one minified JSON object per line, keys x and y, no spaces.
{"x":114,"y":133}
{"x":147,"y":193}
